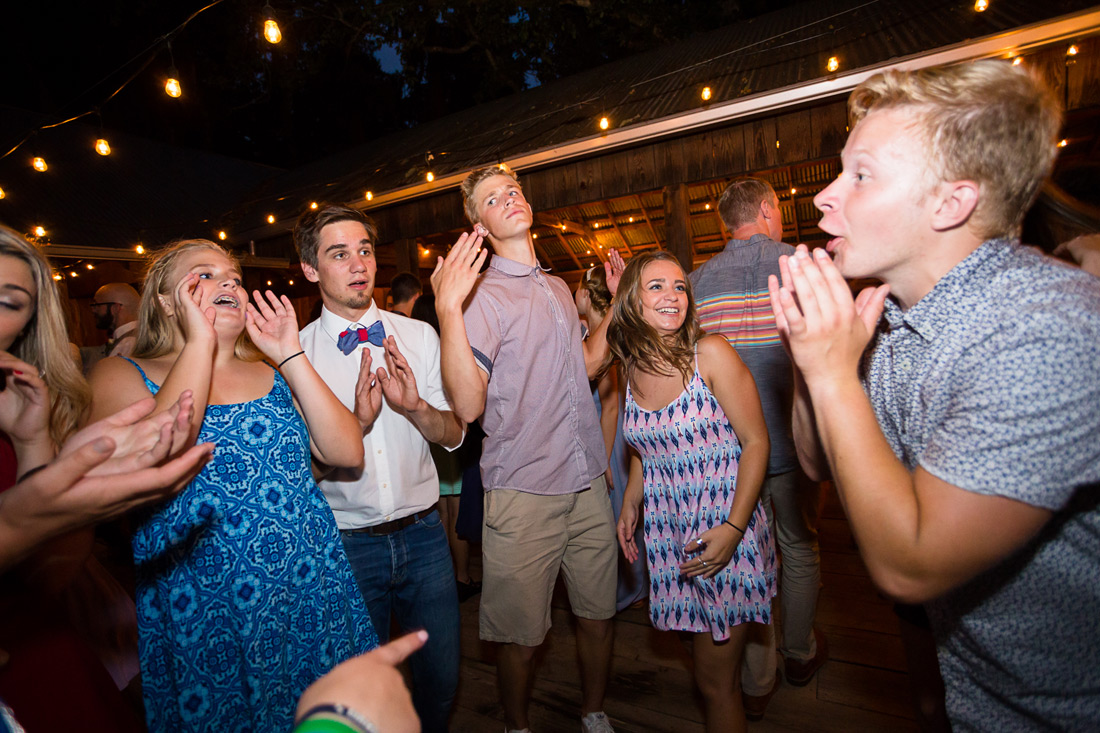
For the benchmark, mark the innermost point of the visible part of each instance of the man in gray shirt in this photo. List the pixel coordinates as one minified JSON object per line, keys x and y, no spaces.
{"x":731,"y":295}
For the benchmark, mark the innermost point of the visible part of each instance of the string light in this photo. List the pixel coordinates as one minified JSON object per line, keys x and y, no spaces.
{"x":1063,"y":143}
{"x":707,"y":207}
{"x":706,"y":94}
{"x":313,"y":204}
{"x":776,"y":143}
{"x":596,"y":225}
{"x":270,"y":218}
{"x":981,"y":5}
{"x":1017,"y":61}
{"x":833,"y":64}
{"x":39,"y":164}
{"x":39,"y":231}
{"x":369,"y":195}
{"x":430,"y":176}
{"x":793,"y":190}
{"x":172,"y":87}
{"x":73,"y":274}
{"x":289,"y":282}
{"x":90,"y":266}
{"x":102,"y":146}
{"x":271,"y":28}
{"x":269,"y":283}
{"x":2,"y":194}
{"x":535,"y":236}
{"x":503,"y":167}
{"x":630,"y":219}
{"x":139,"y":249}
{"x":222,"y":235}
{"x":57,"y":276}
{"x":604,"y":123}
{"x":1071,"y":51}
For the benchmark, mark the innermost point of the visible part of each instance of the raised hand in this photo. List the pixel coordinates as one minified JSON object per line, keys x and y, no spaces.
{"x":197,"y":324}
{"x":24,"y":402}
{"x":368,"y":393}
{"x":272,"y":325}
{"x":454,"y":276}
{"x":399,"y":384}
{"x":613,"y":269}
{"x":140,"y":440}
{"x":825,"y":329}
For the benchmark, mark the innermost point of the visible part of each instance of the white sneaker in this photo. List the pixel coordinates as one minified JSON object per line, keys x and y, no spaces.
{"x":596,"y":723}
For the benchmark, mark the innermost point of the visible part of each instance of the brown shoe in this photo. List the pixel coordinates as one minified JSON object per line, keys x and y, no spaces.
{"x":755,"y":705}
{"x":799,"y":673}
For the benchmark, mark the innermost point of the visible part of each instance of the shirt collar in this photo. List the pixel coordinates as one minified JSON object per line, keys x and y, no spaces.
{"x":334,"y":325}
{"x":513,"y":268}
{"x":932,"y":311}
{"x":124,"y":329}
{"x":754,"y":239}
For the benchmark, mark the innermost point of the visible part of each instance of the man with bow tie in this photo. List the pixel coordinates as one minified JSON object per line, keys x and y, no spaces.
{"x":385,"y":368}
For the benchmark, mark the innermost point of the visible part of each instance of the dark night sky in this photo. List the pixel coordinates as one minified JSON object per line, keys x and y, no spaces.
{"x":345,"y":73}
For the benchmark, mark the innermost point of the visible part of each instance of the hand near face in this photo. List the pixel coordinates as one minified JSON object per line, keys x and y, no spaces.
{"x":399,"y":384}
{"x":273,"y":326}
{"x":197,"y":324}
{"x":368,"y":392}
{"x":613,"y":269}
{"x":455,"y":275}
{"x":825,"y":329}
{"x":24,"y":402}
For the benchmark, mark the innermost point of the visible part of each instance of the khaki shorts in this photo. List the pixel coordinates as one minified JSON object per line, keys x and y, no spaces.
{"x":527,"y":539}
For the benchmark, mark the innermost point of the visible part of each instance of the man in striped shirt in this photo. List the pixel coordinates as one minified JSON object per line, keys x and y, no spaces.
{"x":731,"y":294}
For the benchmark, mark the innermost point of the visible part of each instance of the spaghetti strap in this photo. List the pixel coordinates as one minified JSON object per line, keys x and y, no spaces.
{"x":153,"y":386}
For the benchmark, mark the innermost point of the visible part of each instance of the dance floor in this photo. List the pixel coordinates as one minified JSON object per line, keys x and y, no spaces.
{"x":864,"y":686}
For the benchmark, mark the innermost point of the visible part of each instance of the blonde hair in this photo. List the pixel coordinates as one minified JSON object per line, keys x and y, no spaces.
{"x":636,"y":343}
{"x":156,"y":334}
{"x":987,"y":121}
{"x":471,"y":182}
{"x":44,"y":343}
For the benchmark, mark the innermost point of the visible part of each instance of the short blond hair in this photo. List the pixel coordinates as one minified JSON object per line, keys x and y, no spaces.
{"x":471,"y":182}
{"x":986,"y":121}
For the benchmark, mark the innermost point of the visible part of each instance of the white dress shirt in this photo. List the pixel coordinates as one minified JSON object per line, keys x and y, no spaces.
{"x":398,"y":477}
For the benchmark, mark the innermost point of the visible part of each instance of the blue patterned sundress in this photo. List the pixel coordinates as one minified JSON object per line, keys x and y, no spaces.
{"x":689,"y":458}
{"x":244,"y":593}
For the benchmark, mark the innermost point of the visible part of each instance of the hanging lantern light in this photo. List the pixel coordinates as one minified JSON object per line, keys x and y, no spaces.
{"x":39,"y":164}
{"x":102,"y":146}
{"x":271,"y":28}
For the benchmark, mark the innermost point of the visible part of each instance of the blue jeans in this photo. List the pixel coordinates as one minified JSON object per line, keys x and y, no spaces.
{"x":409,"y":574}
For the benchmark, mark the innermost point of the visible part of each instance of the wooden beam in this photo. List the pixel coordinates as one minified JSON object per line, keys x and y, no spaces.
{"x":622,"y":236}
{"x":645,"y":215}
{"x":541,"y":251}
{"x":568,"y":249}
{"x":678,"y":224}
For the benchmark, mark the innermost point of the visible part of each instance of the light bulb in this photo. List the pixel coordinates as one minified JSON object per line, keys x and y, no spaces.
{"x":222,"y":235}
{"x":313,"y":204}
{"x":102,"y":147}
{"x":370,"y":195}
{"x":269,"y":283}
{"x":2,"y":194}
{"x":39,"y":231}
{"x":981,"y":5}
{"x":139,"y":249}
{"x":271,"y":31}
{"x":270,"y":218}
{"x":604,"y":123}
{"x":706,"y":94}
{"x":1071,"y":51}
{"x":834,"y":63}
{"x":39,"y":164}
{"x":57,"y":276}
{"x":430,"y":176}
{"x":289,"y":282}
{"x":707,"y":207}
{"x":90,"y":266}
{"x":1063,"y":143}
{"x":73,"y":274}
{"x":172,"y":87}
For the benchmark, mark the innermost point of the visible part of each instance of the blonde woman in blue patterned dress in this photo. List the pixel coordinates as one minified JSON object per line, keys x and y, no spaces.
{"x":244,"y":594}
{"x":693,"y":416}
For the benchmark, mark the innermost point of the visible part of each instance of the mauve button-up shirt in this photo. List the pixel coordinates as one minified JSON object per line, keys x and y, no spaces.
{"x":543,"y":435}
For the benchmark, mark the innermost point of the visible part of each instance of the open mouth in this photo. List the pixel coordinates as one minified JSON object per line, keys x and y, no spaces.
{"x":668,"y":311}
{"x":358,"y":284}
{"x":226,"y":300}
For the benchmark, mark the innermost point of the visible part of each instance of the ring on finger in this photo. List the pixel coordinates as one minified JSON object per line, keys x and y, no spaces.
{"x":702,"y":562}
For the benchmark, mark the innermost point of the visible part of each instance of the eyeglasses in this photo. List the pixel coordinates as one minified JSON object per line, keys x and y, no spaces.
{"x":94,"y":304}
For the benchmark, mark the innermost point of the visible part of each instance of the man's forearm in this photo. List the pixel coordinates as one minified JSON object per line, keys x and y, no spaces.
{"x":463,"y":379}
{"x":442,"y":427}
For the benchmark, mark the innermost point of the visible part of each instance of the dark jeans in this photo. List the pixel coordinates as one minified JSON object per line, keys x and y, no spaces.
{"x":409,"y":574}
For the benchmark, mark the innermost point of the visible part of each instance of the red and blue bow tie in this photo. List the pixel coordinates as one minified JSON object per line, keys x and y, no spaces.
{"x":354,"y":335}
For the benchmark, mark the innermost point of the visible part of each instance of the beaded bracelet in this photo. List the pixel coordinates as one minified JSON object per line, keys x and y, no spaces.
{"x":726,"y":521}
{"x":334,"y":718}
{"x":284,"y":361}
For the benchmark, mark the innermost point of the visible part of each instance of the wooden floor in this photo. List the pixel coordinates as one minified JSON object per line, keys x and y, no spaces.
{"x":863,"y":687}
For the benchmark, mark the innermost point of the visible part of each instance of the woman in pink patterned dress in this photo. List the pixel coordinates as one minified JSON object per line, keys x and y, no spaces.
{"x":693,"y":416}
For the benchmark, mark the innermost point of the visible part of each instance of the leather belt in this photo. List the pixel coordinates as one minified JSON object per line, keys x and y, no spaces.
{"x":394,"y":525}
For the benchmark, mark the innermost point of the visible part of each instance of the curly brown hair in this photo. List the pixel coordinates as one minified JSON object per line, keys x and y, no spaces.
{"x":636,"y":343}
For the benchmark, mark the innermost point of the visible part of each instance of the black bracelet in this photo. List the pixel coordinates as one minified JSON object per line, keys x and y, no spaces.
{"x":727,"y":521}
{"x":30,"y":472}
{"x":284,"y":361}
